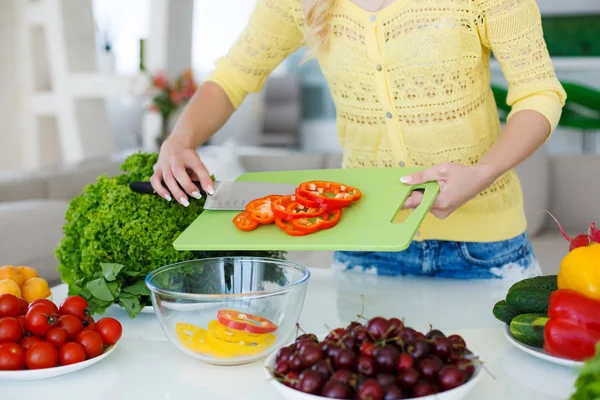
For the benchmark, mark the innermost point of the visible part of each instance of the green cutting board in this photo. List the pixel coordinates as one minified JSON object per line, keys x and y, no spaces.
{"x":368,"y":225}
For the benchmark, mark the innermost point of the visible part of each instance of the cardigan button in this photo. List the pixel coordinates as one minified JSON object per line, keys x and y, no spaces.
{"x":379,"y":67}
{"x":373,"y":18}
{"x":401,"y":164}
{"x":388,"y":115}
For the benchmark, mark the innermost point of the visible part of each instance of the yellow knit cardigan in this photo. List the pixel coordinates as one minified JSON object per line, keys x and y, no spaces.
{"x":411,"y":85}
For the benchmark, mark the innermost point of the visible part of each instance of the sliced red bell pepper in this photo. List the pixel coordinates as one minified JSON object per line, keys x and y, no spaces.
{"x":310,"y":225}
{"x":307,"y":202}
{"x":287,"y":208}
{"x":260,"y":210}
{"x":287,"y":227}
{"x":329,"y":193}
{"x":245,"y":322}
{"x":573,"y":329}
{"x":245,"y":222}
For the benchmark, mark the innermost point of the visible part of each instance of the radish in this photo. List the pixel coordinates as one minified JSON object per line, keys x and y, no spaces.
{"x":594,"y":233}
{"x":580,"y":240}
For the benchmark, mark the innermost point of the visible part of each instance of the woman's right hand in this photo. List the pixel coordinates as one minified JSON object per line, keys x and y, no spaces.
{"x":177,"y":167}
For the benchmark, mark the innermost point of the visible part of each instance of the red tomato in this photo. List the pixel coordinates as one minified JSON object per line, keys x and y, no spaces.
{"x":89,"y":324}
{"x":22,"y":321}
{"x":56,"y":337}
{"x":91,"y":342}
{"x":49,"y":304}
{"x":12,"y":357}
{"x":71,"y":353}
{"x":28,"y":341}
{"x":10,"y":330}
{"x":38,"y":320}
{"x":110,"y":330}
{"x":23,"y":305}
{"x":70,"y":324}
{"x":41,"y":355}
{"x":76,"y":306}
{"x":9,"y":306}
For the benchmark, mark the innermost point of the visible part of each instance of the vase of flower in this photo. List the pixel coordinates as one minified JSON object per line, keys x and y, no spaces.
{"x":168,"y":97}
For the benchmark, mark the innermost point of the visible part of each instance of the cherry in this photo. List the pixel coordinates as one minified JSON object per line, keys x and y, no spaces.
{"x":345,"y":376}
{"x":393,"y":392}
{"x":350,"y":343}
{"x":366,"y":366}
{"x":336,"y":390}
{"x":345,"y":359}
{"x":379,"y":327}
{"x":466,"y":366}
{"x":367,"y":349}
{"x":408,"y":378}
{"x":310,"y":382}
{"x":386,"y":358}
{"x":283,"y":354}
{"x":434,"y":333}
{"x":370,"y":390}
{"x":336,"y":334}
{"x":385,"y":379}
{"x":457,"y":339}
{"x":423,"y":389}
{"x":353,"y":325}
{"x":441,"y":347}
{"x":408,"y":335}
{"x":282,"y":367}
{"x":323,"y":368}
{"x":405,"y":361}
{"x":307,"y":336}
{"x":419,"y":349}
{"x":429,"y":366}
{"x":420,"y":335}
{"x":455,"y":356}
{"x":304,"y":342}
{"x":450,"y":377}
{"x":295,"y":363}
{"x":396,"y":323}
{"x":292,"y":380}
{"x":310,"y":354}
{"x":361,"y":334}
{"x":325,"y":345}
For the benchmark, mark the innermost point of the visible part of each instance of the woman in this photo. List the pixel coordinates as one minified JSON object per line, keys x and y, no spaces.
{"x":411,"y":84}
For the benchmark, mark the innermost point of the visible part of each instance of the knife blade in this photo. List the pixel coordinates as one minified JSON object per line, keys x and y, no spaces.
{"x":228,"y":196}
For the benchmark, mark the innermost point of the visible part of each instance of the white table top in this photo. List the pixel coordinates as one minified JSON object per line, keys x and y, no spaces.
{"x":146,"y":366}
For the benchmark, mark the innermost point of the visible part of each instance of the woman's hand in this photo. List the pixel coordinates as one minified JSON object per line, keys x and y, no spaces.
{"x":181,"y":164}
{"x":458,"y":184}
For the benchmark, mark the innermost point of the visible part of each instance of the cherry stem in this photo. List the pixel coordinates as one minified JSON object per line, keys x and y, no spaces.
{"x":298,"y":328}
{"x":361,"y":317}
{"x":485,"y":368}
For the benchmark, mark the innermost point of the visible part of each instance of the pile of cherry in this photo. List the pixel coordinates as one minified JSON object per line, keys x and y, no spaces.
{"x":381,"y":360}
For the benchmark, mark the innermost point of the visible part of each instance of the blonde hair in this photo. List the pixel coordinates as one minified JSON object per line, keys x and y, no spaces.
{"x":318,"y":24}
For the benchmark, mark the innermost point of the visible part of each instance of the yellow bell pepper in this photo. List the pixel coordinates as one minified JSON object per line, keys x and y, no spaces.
{"x":580,"y":271}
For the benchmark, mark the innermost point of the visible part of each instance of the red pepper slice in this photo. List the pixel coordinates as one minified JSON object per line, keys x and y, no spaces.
{"x":310,"y":225}
{"x":245,"y":322}
{"x":245,"y":222}
{"x":287,"y":208}
{"x":260,"y":210}
{"x":288,"y":228}
{"x":307,"y":202}
{"x":329,"y":193}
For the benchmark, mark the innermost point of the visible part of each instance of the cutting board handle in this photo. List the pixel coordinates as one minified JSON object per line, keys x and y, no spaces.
{"x":431,"y":191}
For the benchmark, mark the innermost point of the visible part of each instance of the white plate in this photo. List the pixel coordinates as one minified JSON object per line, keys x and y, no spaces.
{"x":37,"y":374}
{"x":539,"y":353}
{"x":293,"y":394}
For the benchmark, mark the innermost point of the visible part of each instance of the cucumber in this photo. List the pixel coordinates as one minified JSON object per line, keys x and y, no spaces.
{"x":538,"y":282}
{"x":528,"y":300}
{"x":529,"y":329}
{"x":502,"y":312}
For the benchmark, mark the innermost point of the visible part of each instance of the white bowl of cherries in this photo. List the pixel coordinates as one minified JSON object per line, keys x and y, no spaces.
{"x":380,"y":360}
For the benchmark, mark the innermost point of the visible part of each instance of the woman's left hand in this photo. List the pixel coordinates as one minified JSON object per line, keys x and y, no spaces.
{"x":458,"y":184}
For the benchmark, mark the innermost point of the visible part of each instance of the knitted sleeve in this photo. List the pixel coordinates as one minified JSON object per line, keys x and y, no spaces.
{"x":273,"y":32}
{"x":512,"y":30}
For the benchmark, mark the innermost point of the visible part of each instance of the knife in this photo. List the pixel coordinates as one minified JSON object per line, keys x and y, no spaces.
{"x":228,"y":196}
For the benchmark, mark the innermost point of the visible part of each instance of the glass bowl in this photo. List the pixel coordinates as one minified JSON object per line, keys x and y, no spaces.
{"x":228,"y":310}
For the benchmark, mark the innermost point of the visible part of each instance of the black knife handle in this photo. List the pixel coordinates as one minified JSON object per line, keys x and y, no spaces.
{"x":146,"y":187}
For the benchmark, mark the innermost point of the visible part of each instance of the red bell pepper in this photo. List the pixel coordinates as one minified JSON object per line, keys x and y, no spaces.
{"x":573,"y":329}
{"x":329,"y":193}
{"x":243,"y":221}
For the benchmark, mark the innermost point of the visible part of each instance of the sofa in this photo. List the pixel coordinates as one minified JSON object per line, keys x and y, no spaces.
{"x":33,"y":203}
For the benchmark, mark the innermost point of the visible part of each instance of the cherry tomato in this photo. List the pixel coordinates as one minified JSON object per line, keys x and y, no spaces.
{"x":89,"y":324}
{"x":76,"y":306}
{"x":28,"y":341}
{"x":71,"y":325}
{"x":41,"y":355}
{"x":49,"y":304}
{"x":22,"y":321}
{"x":38,"y":321}
{"x":110,"y":330}
{"x":12,"y":357}
{"x":71,"y":353}
{"x":91,"y":342}
{"x":56,"y":337}
{"x":10,"y":330}
{"x":23,"y":305}
{"x":9,"y":306}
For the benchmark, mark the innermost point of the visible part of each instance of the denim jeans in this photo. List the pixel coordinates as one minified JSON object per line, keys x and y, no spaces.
{"x":509,"y":259}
